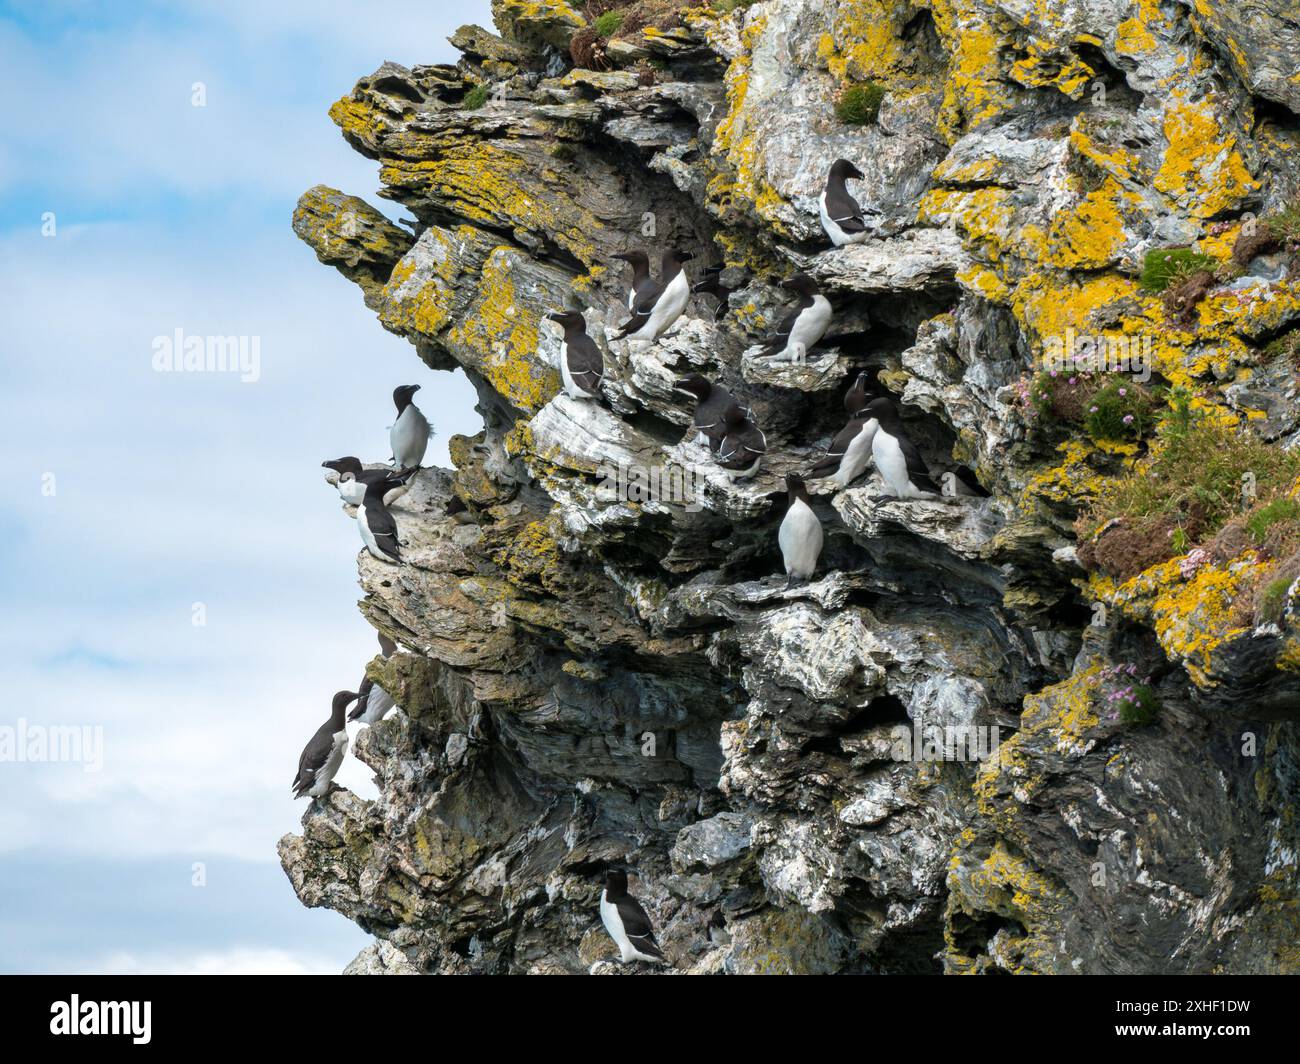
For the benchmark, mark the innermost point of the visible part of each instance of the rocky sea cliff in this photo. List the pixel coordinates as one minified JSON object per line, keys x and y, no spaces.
{"x":1046,"y":728}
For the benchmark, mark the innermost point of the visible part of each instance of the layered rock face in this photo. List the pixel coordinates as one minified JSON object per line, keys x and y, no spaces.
{"x":597,"y":675}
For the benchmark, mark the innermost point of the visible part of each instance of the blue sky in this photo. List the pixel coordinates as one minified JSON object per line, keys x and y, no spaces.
{"x":139,"y":500}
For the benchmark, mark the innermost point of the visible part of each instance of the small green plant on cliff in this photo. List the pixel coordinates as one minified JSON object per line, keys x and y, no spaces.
{"x":1186,"y":491}
{"x":608,"y":24}
{"x":1119,"y":410}
{"x":859,"y":105}
{"x":1128,"y":698}
{"x":1271,"y":514}
{"x":475,"y":98}
{"x":1163,"y":267}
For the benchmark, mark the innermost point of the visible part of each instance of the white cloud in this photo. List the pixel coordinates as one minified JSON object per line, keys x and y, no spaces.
{"x":239,"y":961}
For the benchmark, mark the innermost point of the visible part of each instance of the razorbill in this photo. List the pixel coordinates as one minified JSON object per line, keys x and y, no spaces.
{"x":353,"y":478}
{"x":849,"y":453}
{"x":409,"y":435}
{"x":800,"y":535}
{"x":710,"y":284}
{"x":803,"y":326}
{"x":654,"y":313}
{"x":711,"y":403}
{"x":581,"y":364}
{"x":643,"y":285}
{"x":741,"y":449}
{"x":323,"y":754}
{"x":841,"y":216}
{"x":858,"y":396}
{"x":897,"y":460}
{"x":376,"y":524}
{"x":373,"y":702}
{"x":627,"y":923}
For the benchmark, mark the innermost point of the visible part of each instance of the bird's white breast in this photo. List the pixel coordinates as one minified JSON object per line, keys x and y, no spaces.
{"x":409,"y":437}
{"x":669,"y":307}
{"x":800,"y":538}
{"x":891,"y":463}
{"x":811,"y":325}
{"x":857,"y":456}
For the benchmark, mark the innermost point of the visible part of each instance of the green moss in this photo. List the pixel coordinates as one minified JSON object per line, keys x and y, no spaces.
{"x":1272,"y":599}
{"x":608,"y":24}
{"x":475,"y":98}
{"x":859,"y":105}
{"x":1273,"y":513}
{"x":1164,"y":266}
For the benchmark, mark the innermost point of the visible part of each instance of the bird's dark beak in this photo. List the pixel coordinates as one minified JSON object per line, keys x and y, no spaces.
{"x":553,"y":316}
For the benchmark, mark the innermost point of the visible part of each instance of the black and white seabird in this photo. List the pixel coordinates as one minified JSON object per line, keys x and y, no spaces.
{"x":849,"y":453}
{"x":803,"y":326}
{"x":800,"y":535}
{"x":654,"y":313}
{"x":353,"y":479}
{"x":409,"y":435}
{"x":842,"y":217}
{"x":741,"y":449}
{"x":376,"y":524}
{"x":858,"y":396}
{"x":712,"y":402}
{"x":643,"y":285}
{"x":898,"y":462}
{"x":373,"y":702}
{"x":627,"y":923}
{"x":710,"y":284}
{"x":582,"y":366}
{"x":323,"y":754}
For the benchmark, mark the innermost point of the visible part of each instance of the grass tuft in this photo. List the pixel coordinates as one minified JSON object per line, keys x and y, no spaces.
{"x":859,"y":105}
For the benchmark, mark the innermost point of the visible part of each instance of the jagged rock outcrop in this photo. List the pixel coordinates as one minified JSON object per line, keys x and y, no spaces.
{"x":598,"y":672}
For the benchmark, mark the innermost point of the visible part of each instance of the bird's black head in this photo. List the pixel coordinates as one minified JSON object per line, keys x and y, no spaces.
{"x":616,"y":881}
{"x":883,"y":410}
{"x":693,"y":384}
{"x":795,"y":488}
{"x":402,"y":396}
{"x":342,"y":700}
{"x":636,"y":259}
{"x":801,"y":283}
{"x":346,"y":464}
{"x":843,"y":169}
{"x":569,"y":319}
{"x":675,"y":257}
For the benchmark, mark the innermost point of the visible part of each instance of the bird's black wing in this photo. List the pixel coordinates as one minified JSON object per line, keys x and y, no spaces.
{"x":383,"y":527}
{"x":314,"y":755}
{"x":844,"y":211}
{"x":783,"y":331}
{"x":917,"y":471}
{"x":637,"y":926}
{"x":740,"y":450}
{"x":838,"y":449}
{"x":647,"y":295}
{"x":586,"y":363}
{"x":363,"y":692}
